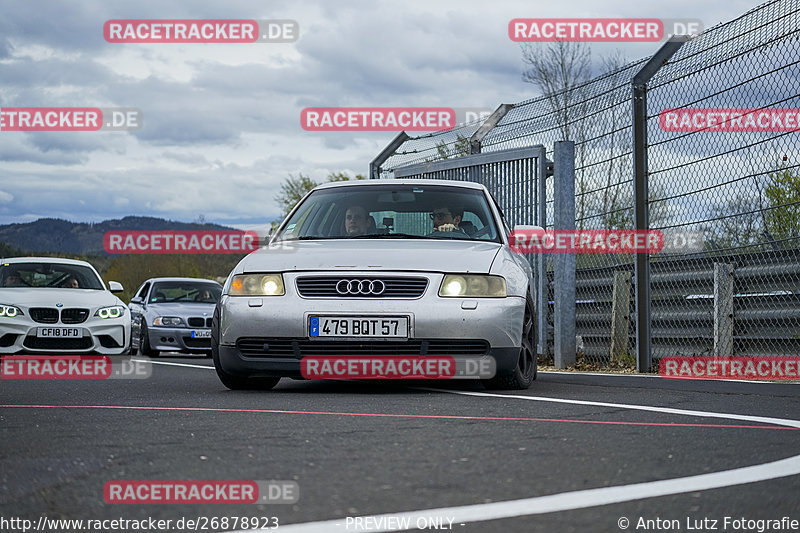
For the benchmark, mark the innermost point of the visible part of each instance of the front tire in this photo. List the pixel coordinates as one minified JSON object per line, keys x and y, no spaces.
{"x":144,"y":343}
{"x":525,"y":372}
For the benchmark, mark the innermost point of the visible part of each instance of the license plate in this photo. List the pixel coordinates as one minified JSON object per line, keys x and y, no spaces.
{"x":60,"y":333}
{"x":201,"y":334}
{"x":358,"y":326}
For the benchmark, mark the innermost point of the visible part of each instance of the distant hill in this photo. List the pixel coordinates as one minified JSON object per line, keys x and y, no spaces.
{"x":61,"y":236}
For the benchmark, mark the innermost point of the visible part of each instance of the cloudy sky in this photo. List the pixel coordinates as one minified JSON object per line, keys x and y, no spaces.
{"x":221,"y":122}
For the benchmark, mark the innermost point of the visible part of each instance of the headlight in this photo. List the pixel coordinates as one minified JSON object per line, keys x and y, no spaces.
{"x":10,"y":311}
{"x":257,"y":285}
{"x":473,"y":286}
{"x":168,"y":321}
{"x":115,"y":311}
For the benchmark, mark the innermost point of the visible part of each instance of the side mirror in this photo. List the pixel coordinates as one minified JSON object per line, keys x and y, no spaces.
{"x":115,"y":286}
{"x":136,"y":300}
{"x":522,"y":236}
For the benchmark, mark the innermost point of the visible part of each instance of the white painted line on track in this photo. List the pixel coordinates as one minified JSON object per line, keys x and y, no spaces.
{"x":566,"y":501}
{"x":654,"y":409}
{"x":173,"y":364}
{"x":657,"y":376}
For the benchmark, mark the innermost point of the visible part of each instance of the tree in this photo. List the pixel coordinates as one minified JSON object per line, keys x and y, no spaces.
{"x":295,"y":187}
{"x":557,"y":71}
{"x":292,"y":190}
{"x":737,"y":222}
{"x":459,"y":148}
{"x":561,"y":72}
{"x":782,"y":194}
{"x":618,"y":142}
{"x":344,"y":176}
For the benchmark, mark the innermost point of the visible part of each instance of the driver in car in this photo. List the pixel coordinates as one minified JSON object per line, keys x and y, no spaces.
{"x":356,"y":221}
{"x":70,"y":283}
{"x":447,"y":219}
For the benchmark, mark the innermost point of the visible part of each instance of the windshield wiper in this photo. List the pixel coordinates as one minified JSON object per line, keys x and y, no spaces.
{"x":387,"y":236}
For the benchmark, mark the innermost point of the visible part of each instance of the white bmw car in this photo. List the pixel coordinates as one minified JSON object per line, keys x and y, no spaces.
{"x":60,"y":306}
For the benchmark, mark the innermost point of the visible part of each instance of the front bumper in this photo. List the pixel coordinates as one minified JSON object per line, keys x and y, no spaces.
{"x":98,"y":336}
{"x":177,"y":339}
{"x":437,"y":326}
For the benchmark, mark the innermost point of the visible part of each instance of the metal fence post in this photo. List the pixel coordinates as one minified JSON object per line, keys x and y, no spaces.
{"x":375,"y":164}
{"x":542,"y":306}
{"x":487,"y":126}
{"x":723,"y":309}
{"x":620,"y":315}
{"x":641,"y":214}
{"x":564,"y":263}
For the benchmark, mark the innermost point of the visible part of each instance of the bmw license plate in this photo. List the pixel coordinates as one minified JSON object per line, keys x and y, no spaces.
{"x":201,"y":333}
{"x":59,"y":333}
{"x":358,"y":326}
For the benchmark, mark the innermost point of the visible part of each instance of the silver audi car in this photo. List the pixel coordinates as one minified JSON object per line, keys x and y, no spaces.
{"x":173,"y":315}
{"x":50,"y":305}
{"x":380,"y":268}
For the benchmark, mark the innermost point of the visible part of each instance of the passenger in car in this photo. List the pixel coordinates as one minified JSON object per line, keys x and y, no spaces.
{"x":13,"y":280}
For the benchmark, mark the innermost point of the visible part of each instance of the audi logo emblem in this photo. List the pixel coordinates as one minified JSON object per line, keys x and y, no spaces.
{"x":360,"y":287}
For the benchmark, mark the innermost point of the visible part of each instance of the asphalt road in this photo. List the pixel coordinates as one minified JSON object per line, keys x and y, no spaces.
{"x":450,"y":451}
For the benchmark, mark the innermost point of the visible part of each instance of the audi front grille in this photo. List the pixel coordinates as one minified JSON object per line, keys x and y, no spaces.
{"x":361,"y":287}
{"x":298,"y":347}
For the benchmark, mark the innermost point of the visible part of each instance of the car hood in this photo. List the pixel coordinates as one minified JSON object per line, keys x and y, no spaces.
{"x":180,"y":309}
{"x":437,"y":255}
{"x":50,"y":297}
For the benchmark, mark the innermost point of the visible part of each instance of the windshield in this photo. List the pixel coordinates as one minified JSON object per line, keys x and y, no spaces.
{"x":402,"y":211}
{"x":185,"y":291}
{"x":49,"y":276}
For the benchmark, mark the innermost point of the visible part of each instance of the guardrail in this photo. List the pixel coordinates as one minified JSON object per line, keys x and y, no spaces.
{"x":691,"y":307}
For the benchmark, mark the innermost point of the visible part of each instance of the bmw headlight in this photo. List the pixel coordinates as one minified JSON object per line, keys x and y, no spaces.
{"x":115,"y":311}
{"x":10,"y":311}
{"x":174,"y":321}
{"x":257,"y":285}
{"x":473,"y":286}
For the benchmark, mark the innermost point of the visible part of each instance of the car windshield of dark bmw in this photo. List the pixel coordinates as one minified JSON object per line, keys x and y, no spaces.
{"x":48,"y":276}
{"x":185,"y":292}
{"x":396,"y":212}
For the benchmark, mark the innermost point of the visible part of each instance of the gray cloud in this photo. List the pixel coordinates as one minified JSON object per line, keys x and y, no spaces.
{"x":221,"y":122}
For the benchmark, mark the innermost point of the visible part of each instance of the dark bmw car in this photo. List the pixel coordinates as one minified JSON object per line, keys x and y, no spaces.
{"x":173,"y":315}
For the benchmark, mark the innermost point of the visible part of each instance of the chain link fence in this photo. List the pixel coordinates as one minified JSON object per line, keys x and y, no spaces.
{"x":739,"y":190}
